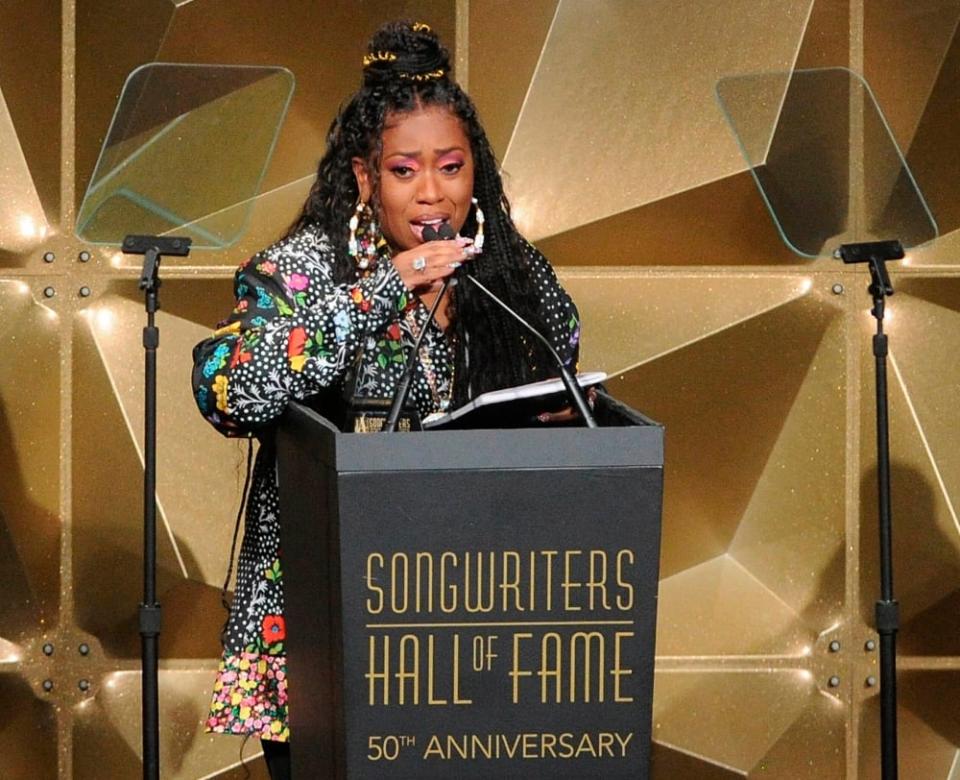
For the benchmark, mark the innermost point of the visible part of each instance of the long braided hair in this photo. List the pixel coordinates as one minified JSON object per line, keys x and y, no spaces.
{"x":407,"y":69}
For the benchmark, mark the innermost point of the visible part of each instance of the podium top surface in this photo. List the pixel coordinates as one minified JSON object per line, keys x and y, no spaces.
{"x":522,"y":448}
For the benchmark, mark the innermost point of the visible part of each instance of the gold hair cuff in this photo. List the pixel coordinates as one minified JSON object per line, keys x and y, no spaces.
{"x":421,"y":27}
{"x":378,"y":56}
{"x":433,"y":74}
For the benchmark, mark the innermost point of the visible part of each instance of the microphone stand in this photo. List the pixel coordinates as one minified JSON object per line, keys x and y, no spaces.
{"x":445,"y":233}
{"x":887,"y":610}
{"x":152,"y":248}
{"x":403,"y":386}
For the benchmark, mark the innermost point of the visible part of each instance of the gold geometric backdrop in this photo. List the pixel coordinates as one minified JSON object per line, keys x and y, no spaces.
{"x":622,"y":168}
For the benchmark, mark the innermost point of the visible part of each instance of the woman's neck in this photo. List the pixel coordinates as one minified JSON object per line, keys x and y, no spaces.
{"x":443,"y":314}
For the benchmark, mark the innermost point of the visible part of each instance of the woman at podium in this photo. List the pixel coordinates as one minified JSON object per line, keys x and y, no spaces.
{"x":334,"y":307}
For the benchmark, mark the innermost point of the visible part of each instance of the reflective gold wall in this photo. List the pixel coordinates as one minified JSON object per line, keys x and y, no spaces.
{"x":622,"y":169}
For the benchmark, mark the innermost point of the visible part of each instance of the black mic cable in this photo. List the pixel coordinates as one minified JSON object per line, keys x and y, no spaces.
{"x":403,"y":385}
{"x":573,"y":389}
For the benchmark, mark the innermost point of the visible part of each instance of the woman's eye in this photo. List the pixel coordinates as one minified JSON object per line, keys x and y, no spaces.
{"x":452,"y":167}
{"x":403,"y":171}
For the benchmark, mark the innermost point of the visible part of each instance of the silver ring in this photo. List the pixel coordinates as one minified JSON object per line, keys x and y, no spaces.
{"x":419,"y":263}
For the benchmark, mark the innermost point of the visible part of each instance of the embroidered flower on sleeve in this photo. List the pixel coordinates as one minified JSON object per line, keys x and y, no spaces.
{"x":356,"y":295}
{"x":232,"y":329}
{"x":264,"y":301}
{"x":295,"y":286}
{"x":296,"y":343}
{"x":341,"y":326}
{"x":239,"y":356}
{"x":298,"y":282}
{"x":218,"y":359}
{"x":274,"y":629}
{"x":220,"y":385}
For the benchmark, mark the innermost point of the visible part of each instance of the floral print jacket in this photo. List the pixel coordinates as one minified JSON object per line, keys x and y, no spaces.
{"x":294,"y":333}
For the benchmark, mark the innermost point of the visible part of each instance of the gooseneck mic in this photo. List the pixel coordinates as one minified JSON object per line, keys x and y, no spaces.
{"x":573,"y":389}
{"x":446,"y":232}
{"x":403,"y":385}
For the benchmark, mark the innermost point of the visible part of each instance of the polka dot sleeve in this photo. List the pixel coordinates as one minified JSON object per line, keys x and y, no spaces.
{"x":293,"y":331}
{"x":557,"y":310}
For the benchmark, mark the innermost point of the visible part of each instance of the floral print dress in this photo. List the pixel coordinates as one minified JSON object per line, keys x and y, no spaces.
{"x":295,"y":333}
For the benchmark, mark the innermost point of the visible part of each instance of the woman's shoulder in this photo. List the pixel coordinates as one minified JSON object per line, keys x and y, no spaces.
{"x":534,"y":259}
{"x":306,"y":250}
{"x":529,"y":251}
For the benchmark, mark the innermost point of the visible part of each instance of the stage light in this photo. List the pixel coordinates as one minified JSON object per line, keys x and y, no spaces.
{"x":105,"y":319}
{"x":27,"y":227}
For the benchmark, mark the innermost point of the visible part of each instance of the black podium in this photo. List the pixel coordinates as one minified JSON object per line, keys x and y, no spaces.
{"x":471,"y":604}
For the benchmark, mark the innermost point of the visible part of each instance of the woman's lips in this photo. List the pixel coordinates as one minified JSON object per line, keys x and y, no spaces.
{"x":417,"y":227}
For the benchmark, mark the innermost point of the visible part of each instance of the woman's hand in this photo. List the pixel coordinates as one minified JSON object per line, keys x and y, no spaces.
{"x":568,"y":413}
{"x":424,"y":267}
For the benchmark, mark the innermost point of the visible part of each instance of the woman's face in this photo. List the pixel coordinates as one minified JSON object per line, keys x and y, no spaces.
{"x":426,"y":175}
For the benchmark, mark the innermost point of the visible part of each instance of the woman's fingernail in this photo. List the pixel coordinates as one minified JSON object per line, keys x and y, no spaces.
{"x":464,"y":241}
{"x":454,"y":265}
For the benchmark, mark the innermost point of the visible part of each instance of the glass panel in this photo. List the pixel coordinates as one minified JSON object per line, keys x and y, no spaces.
{"x":825,"y":160}
{"x":185,"y":153}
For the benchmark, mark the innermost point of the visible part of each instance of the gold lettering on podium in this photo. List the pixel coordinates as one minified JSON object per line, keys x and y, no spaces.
{"x":373,"y":675}
{"x":555,"y":625}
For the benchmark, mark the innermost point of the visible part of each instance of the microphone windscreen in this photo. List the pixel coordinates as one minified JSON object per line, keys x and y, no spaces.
{"x":429,"y":234}
{"x":446,"y":232}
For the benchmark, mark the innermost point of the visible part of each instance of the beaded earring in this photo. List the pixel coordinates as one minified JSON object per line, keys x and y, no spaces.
{"x":478,"y":238}
{"x":363,"y":242}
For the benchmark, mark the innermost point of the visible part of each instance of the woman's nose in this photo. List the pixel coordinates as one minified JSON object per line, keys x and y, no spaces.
{"x":429,"y":190}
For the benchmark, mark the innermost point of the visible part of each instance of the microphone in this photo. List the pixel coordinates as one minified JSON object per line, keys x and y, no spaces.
{"x":403,"y":385}
{"x":573,"y":389}
{"x":445,"y":233}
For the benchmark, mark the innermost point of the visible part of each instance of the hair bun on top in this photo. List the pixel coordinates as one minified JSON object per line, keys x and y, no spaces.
{"x":407,"y":51}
